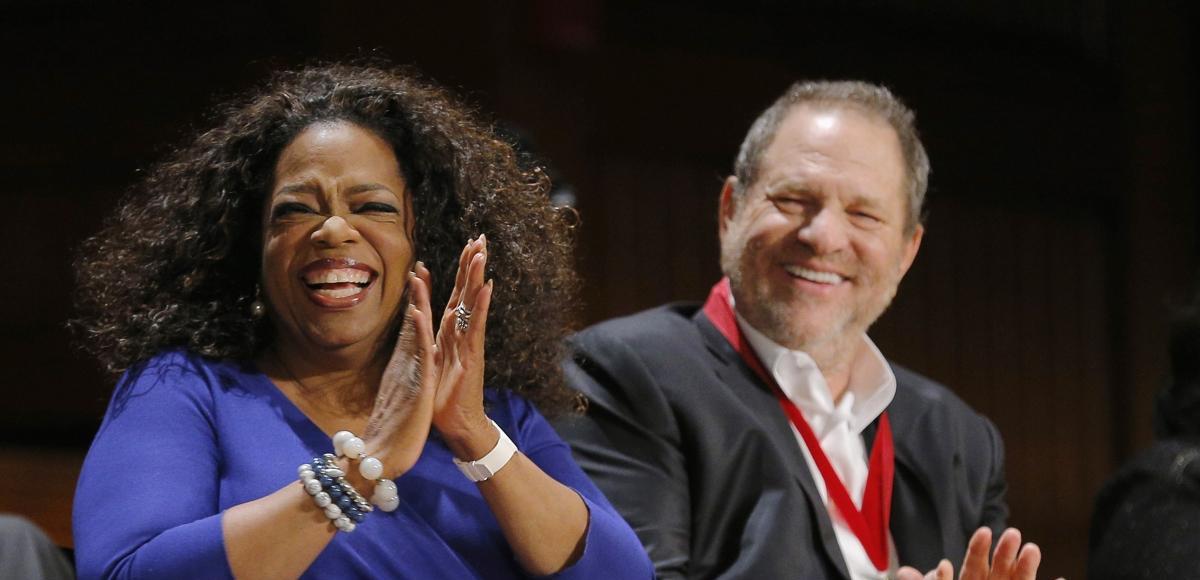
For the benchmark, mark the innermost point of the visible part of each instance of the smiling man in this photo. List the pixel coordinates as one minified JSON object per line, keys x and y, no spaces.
{"x":763,"y":434}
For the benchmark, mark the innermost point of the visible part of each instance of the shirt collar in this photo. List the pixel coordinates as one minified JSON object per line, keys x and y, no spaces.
{"x":872,"y":382}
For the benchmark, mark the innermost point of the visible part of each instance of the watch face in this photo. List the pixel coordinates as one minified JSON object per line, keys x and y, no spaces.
{"x":474,"y":470}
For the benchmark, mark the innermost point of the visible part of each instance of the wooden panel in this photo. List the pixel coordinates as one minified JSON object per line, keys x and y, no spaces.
{"x":39,"y":484}
{"x":1009,"y":308}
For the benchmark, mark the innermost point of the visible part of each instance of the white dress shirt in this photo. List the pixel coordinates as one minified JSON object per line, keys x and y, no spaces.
{"x":837,"y":425}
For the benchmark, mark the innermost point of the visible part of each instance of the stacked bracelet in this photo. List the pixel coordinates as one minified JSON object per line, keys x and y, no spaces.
{"x":385,"y":495}
{"x":327,"y":484}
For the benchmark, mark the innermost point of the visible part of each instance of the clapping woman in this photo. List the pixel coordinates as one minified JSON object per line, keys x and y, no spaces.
{"x":298,"y":273}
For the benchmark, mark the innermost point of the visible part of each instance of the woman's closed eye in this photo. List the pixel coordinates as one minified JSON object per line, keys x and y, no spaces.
{"x":376,"y":207}
{"x":290,"y":208}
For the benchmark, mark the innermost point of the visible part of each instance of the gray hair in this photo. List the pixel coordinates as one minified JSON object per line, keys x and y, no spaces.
{"x":869,"y":98}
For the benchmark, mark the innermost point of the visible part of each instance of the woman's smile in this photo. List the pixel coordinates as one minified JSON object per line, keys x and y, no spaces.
{"x":337,"y":282}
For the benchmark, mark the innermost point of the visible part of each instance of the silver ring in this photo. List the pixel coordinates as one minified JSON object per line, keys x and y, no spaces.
{"x":462,"y":316}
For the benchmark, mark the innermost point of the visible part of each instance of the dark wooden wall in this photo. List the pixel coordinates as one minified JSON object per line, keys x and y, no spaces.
{"x":1063,"y":138}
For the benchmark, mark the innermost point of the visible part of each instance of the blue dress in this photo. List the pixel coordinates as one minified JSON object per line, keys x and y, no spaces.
{"x":186,"y":438}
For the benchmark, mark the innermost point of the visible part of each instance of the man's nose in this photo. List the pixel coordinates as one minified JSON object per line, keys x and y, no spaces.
{"x":334,"y":232}
{"x":825,"y":231}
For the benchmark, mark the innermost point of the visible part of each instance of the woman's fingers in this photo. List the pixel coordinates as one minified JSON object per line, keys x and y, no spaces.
{"x":458,"y":274}
{"x":403,"y":377}
{"x":483,"y":303}
{"x":461,"y":335}
{"x":422,"y":298}
{"x":467,"y":316}
{"x":470,"y":250}
{"x":470,"y":295}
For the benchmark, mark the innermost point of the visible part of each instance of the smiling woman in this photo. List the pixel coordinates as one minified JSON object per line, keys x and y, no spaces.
{"x":282,"y":303}
{"x":337,"y":240}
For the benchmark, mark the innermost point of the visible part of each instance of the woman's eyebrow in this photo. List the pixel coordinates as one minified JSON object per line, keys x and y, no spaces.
{"x":363,"y":187}
{"x":298,"y":188}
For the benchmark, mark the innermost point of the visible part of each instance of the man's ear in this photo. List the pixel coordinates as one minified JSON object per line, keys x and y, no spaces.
{"x":912,"y":244}
{"x":727,"y":206}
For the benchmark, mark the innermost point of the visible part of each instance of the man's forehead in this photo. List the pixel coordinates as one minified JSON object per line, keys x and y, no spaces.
{"x":819,"y":140}
{"x":822,"y":121}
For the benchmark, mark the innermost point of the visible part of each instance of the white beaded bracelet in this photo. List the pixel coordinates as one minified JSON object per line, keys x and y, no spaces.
{"x":386,"y":496}
{"x":327,"y":485}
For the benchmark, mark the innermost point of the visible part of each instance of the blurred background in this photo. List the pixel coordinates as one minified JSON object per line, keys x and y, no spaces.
{"x":1063,"y":199}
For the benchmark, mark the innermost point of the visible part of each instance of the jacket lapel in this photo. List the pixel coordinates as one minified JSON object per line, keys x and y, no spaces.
{"x":734,"y":373}
{"x":918,"y":522}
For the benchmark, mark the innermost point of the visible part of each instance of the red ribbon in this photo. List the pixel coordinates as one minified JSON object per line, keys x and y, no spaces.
{"x":870,"y":524}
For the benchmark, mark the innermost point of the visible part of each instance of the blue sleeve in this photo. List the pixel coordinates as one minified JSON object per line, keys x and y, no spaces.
{"x":147,"y":500}
{"x":611,"y":549}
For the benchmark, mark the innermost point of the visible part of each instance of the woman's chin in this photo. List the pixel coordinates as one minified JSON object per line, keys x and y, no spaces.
{"x":337,"y":341}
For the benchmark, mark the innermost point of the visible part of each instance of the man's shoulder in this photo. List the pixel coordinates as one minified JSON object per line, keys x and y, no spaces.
{"x":925,"y":400}
{"x":921,"y":394}
{"x":657,"y":327}
{"x":924,"y":390}
{"x":650,"y":355}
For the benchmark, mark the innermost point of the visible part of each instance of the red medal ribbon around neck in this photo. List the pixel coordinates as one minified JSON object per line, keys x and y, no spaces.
{"x":870,"y":524}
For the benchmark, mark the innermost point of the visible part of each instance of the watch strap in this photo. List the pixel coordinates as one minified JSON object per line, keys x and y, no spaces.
{"x":486,"y":467}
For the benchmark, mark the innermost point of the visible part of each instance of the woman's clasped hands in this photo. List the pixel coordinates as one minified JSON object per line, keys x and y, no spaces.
{"x":436,"y":379}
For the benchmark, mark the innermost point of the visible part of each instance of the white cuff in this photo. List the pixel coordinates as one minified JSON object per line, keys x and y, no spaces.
{"x":485,"y":468}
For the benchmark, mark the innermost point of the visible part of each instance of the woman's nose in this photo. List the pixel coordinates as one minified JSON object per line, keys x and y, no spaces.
{"x":334,"y":232}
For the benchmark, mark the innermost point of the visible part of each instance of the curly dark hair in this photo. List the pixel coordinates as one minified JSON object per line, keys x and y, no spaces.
{"x":178,"y":263}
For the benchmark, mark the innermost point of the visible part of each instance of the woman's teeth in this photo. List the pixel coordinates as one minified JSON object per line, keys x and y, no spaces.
{"x":338,"y":276}
{"x":340,"y":291}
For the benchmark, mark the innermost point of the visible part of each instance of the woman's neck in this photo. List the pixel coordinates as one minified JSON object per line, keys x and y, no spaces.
{"x":329,"y":383}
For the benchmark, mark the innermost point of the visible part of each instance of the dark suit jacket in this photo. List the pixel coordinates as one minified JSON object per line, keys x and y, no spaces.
{"x":696,"y":453}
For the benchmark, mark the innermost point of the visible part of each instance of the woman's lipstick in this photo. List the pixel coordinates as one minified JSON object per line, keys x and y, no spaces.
{"x":337,"y":282}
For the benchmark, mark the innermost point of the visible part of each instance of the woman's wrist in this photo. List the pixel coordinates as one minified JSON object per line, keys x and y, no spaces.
{"x":472,"y":440}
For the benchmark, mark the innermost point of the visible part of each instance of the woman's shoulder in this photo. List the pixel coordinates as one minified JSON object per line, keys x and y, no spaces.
{"x":176,"y":373}
{"x":184,"y":362}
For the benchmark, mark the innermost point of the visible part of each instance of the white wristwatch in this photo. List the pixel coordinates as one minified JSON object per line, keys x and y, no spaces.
{"x":484,"y":468}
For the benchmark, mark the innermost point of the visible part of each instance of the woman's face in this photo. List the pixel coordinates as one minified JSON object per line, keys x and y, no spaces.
{"x":337,"y":243}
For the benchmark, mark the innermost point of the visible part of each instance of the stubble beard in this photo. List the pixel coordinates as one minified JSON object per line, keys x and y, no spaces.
{"x":775,"y":313}
{"x":766,"y":312}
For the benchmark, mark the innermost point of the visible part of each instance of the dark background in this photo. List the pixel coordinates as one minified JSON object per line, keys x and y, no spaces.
{"x":1063,"y":137}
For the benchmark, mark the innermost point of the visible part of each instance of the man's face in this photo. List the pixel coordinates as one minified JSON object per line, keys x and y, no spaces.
{"x":817,"y":246}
